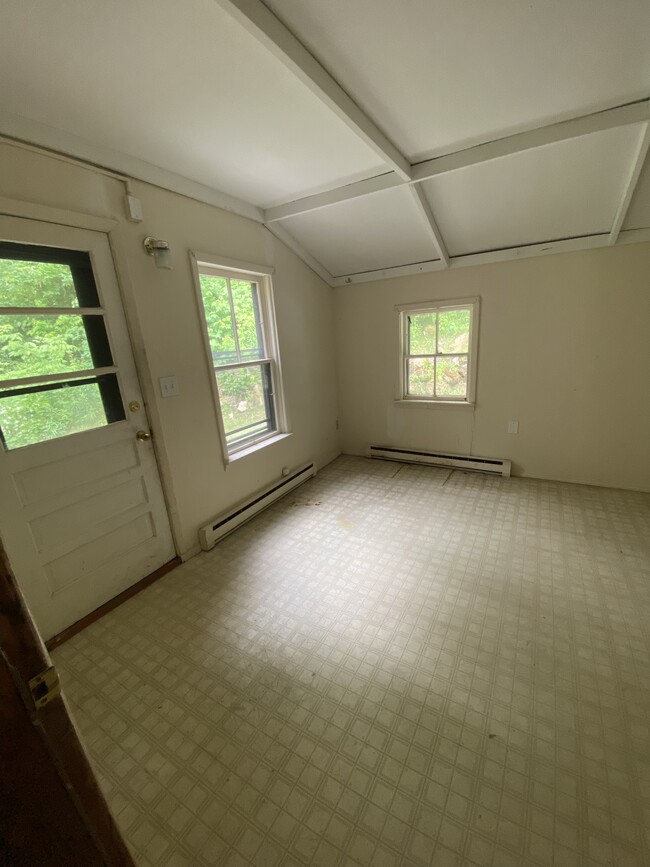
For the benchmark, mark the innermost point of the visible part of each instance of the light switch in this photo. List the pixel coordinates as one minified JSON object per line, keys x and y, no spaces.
{"x":513,"y":427}
{"x":168,"y":386}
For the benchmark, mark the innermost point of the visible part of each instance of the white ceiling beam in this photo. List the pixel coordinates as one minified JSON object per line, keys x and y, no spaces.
{"x":507,"y":146}
{"x":425,"y":212}
{"x":333,"y":197}
{"x":267,"y":28}
{"x":567,"y":245}
{"x":282,"y":235}
{"x":388,"y":273}
{"x":630,"y":187}
{"x":534,"y":138}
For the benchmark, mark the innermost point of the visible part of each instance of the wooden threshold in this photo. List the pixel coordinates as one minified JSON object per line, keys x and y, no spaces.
{"x":74,"y":628}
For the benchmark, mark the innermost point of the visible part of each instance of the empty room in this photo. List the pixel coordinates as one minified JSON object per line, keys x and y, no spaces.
{"x":325,"y":433}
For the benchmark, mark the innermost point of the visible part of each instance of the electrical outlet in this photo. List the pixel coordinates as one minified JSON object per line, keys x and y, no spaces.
{"x":513,"y":427}
{"x":168,"y":386}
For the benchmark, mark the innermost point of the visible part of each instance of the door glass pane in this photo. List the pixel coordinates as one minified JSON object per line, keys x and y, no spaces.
{"x":420,"y":373}
{"x":36,"y":284}
{"x":244,"y":300}
{"x":43,"y":344}
{"x":453,"y":331}
{"x":422,"y":334}
{"x":219,"y":319}
{"x":244,"y":401}
{"x":34,"y":417}
{"x":451,"y":376}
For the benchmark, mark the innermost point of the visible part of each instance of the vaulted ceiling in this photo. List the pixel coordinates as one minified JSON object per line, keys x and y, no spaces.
{"x":370,"y":135}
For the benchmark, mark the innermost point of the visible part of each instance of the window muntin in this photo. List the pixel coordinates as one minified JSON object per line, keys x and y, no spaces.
{"x":241,"y":354}
{"x":437,"y":352}
{"x":57,"y":375}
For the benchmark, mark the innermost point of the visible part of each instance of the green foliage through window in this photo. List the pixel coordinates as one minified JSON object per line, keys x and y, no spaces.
{"x":36,"y":284}
{"x":437,"y":349}
{"x":26,"y":419}
{"x":43,"y":344}
{"x":235,"y":333}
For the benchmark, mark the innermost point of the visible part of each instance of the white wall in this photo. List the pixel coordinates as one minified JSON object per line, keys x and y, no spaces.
{"x":166,"y":334}
{"x":564,"y":348}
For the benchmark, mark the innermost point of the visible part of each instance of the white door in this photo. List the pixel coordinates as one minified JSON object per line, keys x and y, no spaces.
{"x":82,"y":513}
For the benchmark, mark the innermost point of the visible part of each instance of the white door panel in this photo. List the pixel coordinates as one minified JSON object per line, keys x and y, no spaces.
{"x":82,"y":516}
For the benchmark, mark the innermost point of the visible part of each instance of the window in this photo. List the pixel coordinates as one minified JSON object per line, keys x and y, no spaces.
{"x":238,"y":317}
{"x":438,"y":351}
{"x":56,"y":368}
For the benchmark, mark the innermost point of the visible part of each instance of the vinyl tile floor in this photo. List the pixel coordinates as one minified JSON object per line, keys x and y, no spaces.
{"x":394,"y":665}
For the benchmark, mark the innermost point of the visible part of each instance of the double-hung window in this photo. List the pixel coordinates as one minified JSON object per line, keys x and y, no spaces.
{"x":239,"y":326}
{"x":438,"y":343}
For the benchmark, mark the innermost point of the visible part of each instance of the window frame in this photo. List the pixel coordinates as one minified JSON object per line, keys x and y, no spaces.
{"x":234,"y":269}
{"x":406,"y":310}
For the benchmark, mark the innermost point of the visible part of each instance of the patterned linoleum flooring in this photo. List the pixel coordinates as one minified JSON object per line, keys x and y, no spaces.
{"x":394,"y":665}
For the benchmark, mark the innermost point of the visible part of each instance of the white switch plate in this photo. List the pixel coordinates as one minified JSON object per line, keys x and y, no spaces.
{"x":168,"y":386}
{"x":513,"y":427}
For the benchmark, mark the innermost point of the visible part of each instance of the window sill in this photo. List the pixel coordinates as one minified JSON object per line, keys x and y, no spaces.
{"x":255,"y":447}
{"x":430,"y":403}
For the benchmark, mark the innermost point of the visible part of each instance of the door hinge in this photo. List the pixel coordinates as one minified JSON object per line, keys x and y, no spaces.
{"x":44,"y":687}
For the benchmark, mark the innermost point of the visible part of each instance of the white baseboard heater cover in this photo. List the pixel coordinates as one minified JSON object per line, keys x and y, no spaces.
{"x":229,"y":521}
{"x":495,"y":466}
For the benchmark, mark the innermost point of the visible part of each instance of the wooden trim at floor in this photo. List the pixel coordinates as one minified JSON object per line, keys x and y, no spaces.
{"x":62,"y":637}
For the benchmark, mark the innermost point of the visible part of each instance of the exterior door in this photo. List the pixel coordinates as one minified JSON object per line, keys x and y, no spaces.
{"x":82,"y":512}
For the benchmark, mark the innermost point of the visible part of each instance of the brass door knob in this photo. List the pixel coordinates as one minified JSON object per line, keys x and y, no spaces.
{"x":143,"y":436}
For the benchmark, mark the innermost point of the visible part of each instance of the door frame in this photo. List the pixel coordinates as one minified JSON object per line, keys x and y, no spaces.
{"x":111,"y":228}
{"x":59,"y":786}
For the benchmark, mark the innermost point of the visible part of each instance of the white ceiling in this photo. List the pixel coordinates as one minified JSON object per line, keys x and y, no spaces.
{"x":180,"y":85}
{"x":441,"y":75}
{"x":563,"y":190}
{"x":360,"y":235}
{"x":190,"y":89}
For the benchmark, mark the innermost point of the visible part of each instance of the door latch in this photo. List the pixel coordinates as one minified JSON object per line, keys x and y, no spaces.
{"x":44,"y":687}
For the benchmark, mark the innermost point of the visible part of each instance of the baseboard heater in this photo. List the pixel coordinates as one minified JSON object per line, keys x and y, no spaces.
{"x":229,"y":521}
{"x":437,"y":459}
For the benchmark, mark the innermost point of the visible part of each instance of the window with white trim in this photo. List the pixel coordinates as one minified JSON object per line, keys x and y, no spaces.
{"x":438,"y":345}
{"x":240,"y":337}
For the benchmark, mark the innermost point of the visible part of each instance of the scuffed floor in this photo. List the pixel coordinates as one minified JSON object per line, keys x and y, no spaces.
{"x":393,"y":665}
